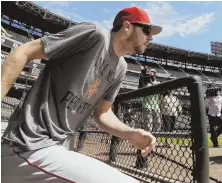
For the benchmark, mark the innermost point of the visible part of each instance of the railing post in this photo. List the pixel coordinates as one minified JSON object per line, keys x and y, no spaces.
{"x":81,"y":141}
{"x":199,"y":127}
{"x":114,"y":140}
{"x":141,"y":162}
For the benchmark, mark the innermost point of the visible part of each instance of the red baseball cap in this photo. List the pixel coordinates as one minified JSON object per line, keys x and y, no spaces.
{"x":136,"y":15}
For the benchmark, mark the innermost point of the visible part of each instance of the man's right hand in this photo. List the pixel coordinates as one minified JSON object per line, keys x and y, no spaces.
{"x":142,"y":140}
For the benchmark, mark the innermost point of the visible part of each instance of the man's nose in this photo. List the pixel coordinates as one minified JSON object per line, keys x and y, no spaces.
{"x":150,"y":38}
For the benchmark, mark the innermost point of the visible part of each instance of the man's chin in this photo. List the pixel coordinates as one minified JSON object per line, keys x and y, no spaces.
{"x":141,"y":51}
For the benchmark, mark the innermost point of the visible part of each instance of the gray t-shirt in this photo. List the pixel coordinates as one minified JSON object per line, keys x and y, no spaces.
{"x":82,"y":69}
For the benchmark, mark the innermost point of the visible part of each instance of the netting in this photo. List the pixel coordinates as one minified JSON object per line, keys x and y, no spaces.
{"x":167,"y":115}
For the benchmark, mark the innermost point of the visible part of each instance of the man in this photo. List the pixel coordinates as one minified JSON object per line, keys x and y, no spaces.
{"x":152,"y":105}
{"x":151,"y":112}
{"x":170,"y":109}
{"x":84,"y":73}
{"x":214,"y":106}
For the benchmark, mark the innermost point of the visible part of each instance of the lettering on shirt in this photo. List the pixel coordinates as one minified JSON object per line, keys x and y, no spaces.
{"x":102,"y":69}
{"x":74,"y":103}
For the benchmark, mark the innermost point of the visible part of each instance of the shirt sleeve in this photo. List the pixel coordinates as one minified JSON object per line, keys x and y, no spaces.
{"x":220,"y":99}
{"x":69,"y":41}
{"x":114,"y":90}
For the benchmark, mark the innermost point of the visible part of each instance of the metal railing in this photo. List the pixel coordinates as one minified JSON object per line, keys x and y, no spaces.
{"x":175,"y":114}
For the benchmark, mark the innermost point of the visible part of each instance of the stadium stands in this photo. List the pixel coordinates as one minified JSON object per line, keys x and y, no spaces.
{"x":16,"y":34}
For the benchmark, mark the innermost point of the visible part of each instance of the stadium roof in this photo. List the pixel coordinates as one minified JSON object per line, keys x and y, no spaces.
{"x":34,"y":15}
{"x":182,"y":55}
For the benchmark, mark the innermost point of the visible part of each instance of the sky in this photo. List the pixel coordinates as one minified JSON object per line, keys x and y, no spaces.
{"x":188,"y":25}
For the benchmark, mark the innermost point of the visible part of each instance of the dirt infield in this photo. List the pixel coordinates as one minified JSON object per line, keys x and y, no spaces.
{"x":215,"y":162}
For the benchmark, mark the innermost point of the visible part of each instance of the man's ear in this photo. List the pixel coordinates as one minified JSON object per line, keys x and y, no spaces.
{"x":127,"y":26}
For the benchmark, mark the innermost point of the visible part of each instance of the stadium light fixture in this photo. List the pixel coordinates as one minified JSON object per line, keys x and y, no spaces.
{"x":216,"y":47}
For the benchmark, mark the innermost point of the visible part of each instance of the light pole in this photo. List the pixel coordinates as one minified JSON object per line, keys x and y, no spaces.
{"x":216,"y":48}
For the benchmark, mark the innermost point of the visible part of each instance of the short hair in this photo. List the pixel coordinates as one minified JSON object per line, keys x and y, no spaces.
{"x":116,"y":28}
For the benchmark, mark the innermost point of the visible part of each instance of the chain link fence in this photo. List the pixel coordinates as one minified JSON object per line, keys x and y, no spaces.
{"x":175,"y":114}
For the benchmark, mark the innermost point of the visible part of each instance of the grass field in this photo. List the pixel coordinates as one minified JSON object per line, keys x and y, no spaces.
{"x":186,"y":141}
{"x":219,"y":141}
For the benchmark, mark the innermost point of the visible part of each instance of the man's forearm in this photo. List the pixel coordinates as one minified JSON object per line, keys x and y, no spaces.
{"x":111,"y":124}
{"x":11,"y":69}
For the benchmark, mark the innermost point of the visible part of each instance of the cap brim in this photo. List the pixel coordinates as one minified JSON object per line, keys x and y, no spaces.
{"x":154,"y":28}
